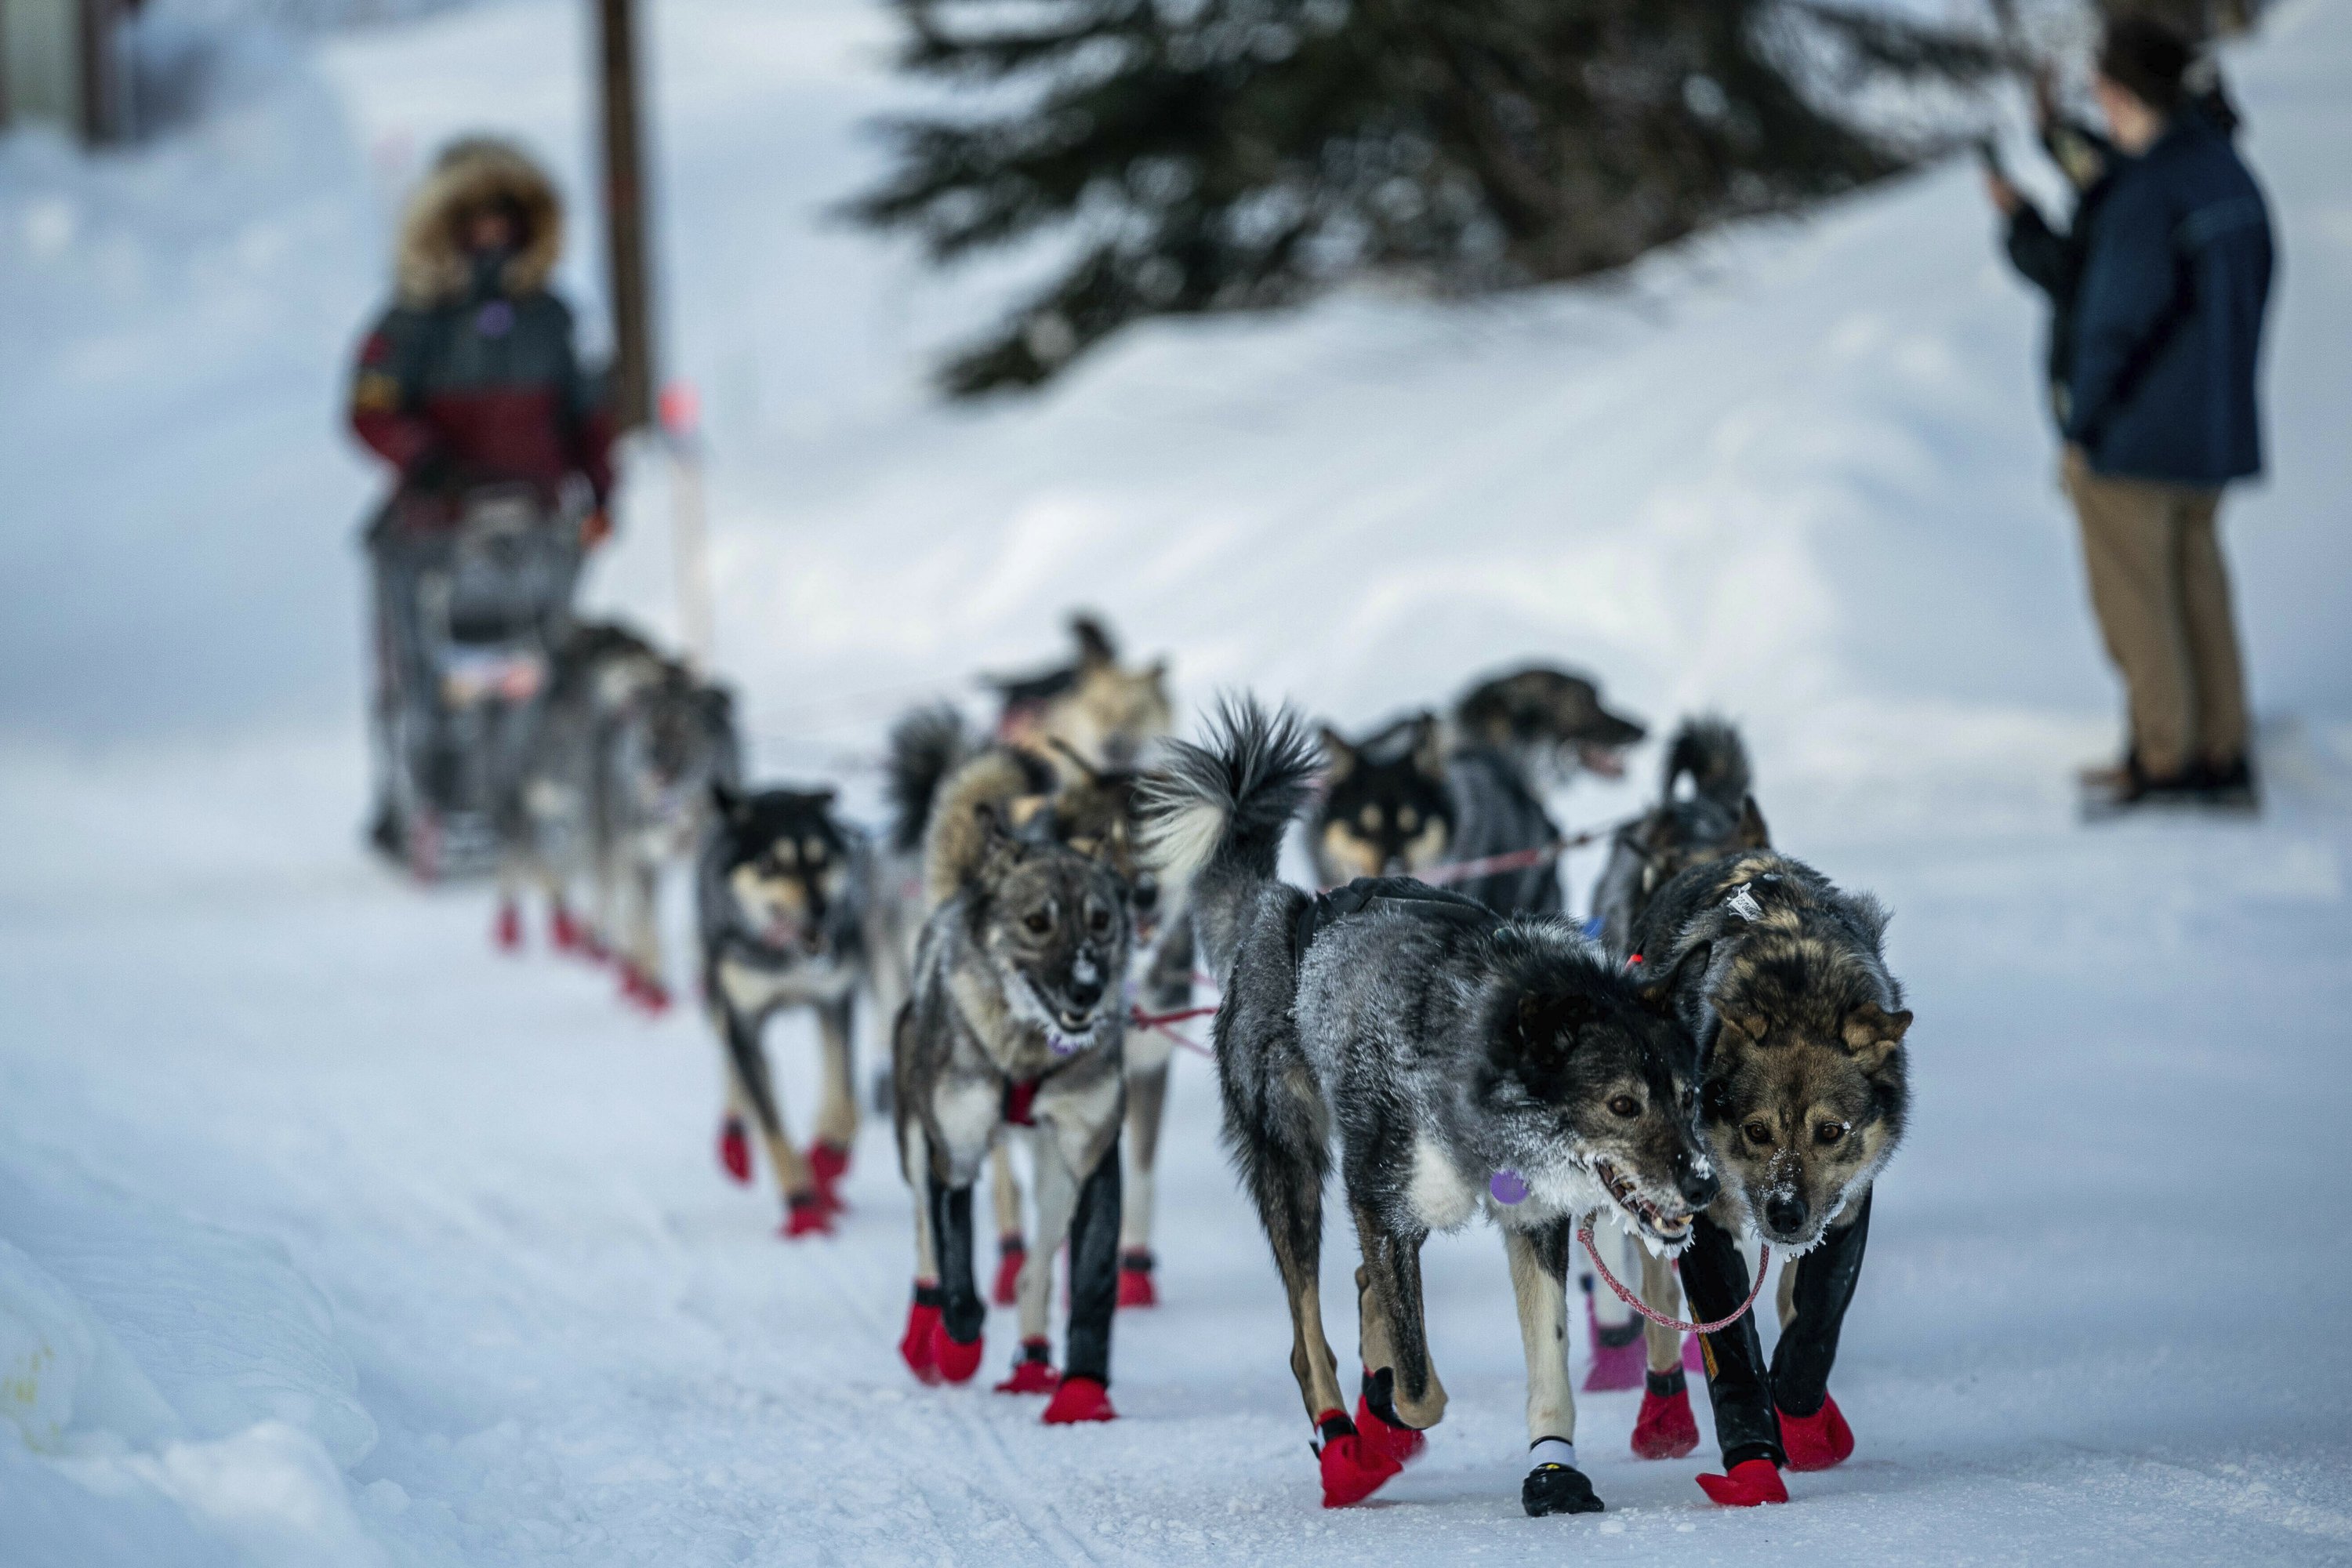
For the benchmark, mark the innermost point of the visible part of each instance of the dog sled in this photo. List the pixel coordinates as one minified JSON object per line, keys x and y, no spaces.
{"x":469,"y":610}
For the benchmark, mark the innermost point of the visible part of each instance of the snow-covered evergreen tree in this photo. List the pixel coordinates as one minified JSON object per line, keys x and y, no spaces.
{"x":1224,"y":154}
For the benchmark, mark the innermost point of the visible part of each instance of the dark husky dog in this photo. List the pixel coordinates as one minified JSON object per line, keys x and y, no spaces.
{"x":778,"y":895}
{"x":1467,"y":1062}
{"x":1016,"y":1019}
{"x":1418,"y":794}
{"x":1784,"y":980}
{"x":1716,"y":816}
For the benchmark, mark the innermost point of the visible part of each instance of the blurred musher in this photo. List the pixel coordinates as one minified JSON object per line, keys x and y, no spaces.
{"x":470,"y":387}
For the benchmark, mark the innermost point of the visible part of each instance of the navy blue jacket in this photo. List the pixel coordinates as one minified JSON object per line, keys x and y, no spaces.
{"x":2168,"y":318}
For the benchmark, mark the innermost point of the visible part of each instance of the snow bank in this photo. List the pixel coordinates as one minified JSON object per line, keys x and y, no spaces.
{"x":170,"y":1391}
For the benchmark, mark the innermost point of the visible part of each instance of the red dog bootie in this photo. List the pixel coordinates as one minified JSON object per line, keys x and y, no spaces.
{"x":956,"y":1359}
{"x":922,"y":1322}
{"x":1079,"y":1399}
{"x":1379,"y":1434}
{"x":1664,"y":1429}
{"x":506,"y":929}
{"x":562,"y":931}
{"x":1750,"y":1483}
{"x":805,"y":1215}
{"x":1033,"y":1371}
{"x":1353,"y":1469}
{"x":1135,"y":1288}
{"x":1818,"y":1441}
{"x":1618,"y":1357}
{"x":643,"y":991}
{"x":735,"y":1151}
{"x":828,"y":1163}
{"x":1012,"y":1252}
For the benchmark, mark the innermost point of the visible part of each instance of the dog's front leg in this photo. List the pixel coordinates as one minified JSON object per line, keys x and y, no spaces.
{"x":1715,"y":1278}
{"x":1394,"y":1335}
{"x":1817,"y":1289}
{"x":1146,"y":1102}
{"x":1539,"y":1284}
{"x":836,"y":1117}
{"x":747,"y":1062}
{"x":956,"y":1351}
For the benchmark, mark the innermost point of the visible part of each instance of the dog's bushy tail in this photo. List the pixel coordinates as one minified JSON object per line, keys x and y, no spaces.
{"x":926,"y":746}
{"x":1709,"y":751}
{"x":1216,"y":814}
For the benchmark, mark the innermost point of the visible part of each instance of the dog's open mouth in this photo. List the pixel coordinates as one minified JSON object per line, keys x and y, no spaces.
{"x":1666,"y":1224}
{"x":1608,"y":762}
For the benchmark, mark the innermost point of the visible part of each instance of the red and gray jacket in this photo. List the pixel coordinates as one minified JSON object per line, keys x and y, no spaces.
{"x":470,"y":377}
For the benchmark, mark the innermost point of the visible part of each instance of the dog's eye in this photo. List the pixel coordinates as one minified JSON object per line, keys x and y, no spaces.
{"x":1098,"y":920}
{"x":1756,"y":1133}
{"x":1829,"y":1132}
{"x":1408,"y":818}
{"x":812,"y":852}
{"x":1039,"y":921}
{"x":1626,"y":1105}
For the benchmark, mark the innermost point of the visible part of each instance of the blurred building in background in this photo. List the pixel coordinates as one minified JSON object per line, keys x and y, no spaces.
{"x":66,"y":63}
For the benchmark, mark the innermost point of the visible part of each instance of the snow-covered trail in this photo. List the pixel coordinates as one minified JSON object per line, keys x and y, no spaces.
{"x":352,"y":1242}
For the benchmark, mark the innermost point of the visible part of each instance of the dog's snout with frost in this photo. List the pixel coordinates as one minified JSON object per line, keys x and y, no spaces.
{"x":1785,"y":1214}
{"x":1696,"y":1180}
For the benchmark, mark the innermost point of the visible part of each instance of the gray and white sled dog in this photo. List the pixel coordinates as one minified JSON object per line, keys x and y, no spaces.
{"x":1015,"y":1020}
{"x":1421,"y":794}
{"x":1076,"y":734}
{"x":1716,"y":816}
{"x":615,"y":790}
{"x":1466,"y":1063}
{"x":1782,"y":977}
{"x":780,"y":891}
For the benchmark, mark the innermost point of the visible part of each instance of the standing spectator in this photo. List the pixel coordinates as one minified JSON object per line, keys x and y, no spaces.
{"x":2160,"y":290}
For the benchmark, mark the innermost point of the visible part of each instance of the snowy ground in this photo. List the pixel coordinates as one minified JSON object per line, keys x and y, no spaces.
{"x":327,"y":1237}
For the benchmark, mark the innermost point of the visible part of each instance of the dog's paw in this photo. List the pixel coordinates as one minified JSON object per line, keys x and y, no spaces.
{"x":506,"y":929}
{"x":805,"y":1215}
{"x":1353,"y":1469}
{"x":644,"y":992}
{"x":1078,"y":1399}
{"x":828,"y":1163}
{"x":1556,"y":1489}
{"x":1393,"y":1439}
{"x":914,"y":1344}
{"x":1012,"y":1252}
{"x":1664,"y":1429}
{"x":1033,"y":1371}
{"x":563,"y":932}
{"x":1750,"y":1483}
{"x":735,"y":1151}
{"x":956,"y":1359}
{"x":1135,"y":1287}
{"x":1618,"y":1361}
{"x":1818,"y":1441}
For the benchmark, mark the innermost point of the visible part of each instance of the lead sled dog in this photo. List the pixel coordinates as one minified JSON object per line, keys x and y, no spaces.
{"x":1464,"y":1063}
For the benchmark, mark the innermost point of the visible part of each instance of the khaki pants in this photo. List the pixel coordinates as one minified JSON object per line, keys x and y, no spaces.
{"x":2163,"y":601}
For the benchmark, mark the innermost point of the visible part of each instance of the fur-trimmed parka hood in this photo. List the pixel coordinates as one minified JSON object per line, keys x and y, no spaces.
{"x":430,"y":266}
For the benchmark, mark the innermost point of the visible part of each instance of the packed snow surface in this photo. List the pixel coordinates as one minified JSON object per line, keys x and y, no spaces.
{"x":329,"y":1237}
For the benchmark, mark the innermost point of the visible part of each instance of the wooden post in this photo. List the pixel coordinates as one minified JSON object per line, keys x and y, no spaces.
{"x":625,"y":211}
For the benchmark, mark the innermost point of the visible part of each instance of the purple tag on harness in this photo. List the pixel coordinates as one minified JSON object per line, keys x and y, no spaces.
{"x":1509,"y":1187}
{"x":494,"y":319}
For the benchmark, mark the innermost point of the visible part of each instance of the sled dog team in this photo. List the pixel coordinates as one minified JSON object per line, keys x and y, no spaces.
{"x":1720,"y":1053}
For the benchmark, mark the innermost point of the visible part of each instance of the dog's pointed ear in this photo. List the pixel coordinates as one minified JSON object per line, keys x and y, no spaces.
{"x":997,"y":835}
{"x":1096,"y":648}
{"x":1338,"y":757}
{"x":1872,"y":1033}
{"x":1659,"y":983}
{"x":1753,"y":834}
{"x":1747,"y":1028}
{"x":727,"y":801}
{"x":1428,"y":747}
{"x":820,"y":798}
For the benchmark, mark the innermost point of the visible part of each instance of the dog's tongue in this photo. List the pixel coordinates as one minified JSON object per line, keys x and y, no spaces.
{"x":1602,"y":760}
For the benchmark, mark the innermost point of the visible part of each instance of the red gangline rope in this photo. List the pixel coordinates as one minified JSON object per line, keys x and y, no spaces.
{"x":1584,"y":1234}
